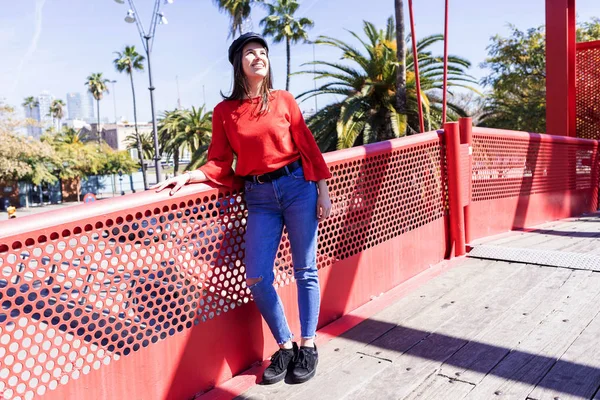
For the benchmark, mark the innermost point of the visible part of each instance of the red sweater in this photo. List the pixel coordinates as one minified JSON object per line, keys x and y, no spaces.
{"x":262,"y":143}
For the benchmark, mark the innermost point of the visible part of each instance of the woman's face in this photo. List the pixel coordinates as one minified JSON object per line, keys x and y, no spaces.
{"x":255,"y":61}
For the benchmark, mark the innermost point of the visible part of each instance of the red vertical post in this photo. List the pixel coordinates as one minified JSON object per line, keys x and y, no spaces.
{"x":560,"y":67}
{"x":572,"y":27}
{"x":445,"y":101}
{"x":466,"y":138}
{"x":595,"y":173}
{"x":457,"y":220}
{"x":416,"y":63}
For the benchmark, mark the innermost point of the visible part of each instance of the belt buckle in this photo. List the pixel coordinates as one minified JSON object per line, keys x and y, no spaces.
{"x":258,"y":179}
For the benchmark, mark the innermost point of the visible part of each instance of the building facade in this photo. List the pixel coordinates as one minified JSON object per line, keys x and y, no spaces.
{"x":80,"y":106}
{"x":40,"y":114}
{"x":33,"y":127}
{"x":115,"y":135}
{"x":45,"y":100}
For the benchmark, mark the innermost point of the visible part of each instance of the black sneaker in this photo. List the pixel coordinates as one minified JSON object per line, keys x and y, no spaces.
{"x":305,"y":364}
{"x":280,"y":361}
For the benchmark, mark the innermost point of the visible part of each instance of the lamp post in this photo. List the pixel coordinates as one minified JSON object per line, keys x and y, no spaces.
{"x":114,"y":98}
{"x":148,"y":41}
{"x":121,"y":182}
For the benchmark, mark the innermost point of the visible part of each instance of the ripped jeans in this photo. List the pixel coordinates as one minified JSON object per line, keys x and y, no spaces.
{"x":291,"y":201}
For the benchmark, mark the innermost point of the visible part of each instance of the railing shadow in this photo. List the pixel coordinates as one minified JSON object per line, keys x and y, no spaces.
{"x":463,"y":354}
{"x":484,"y":358}
{"x":148,"y":271}
{"x":530,"y":177}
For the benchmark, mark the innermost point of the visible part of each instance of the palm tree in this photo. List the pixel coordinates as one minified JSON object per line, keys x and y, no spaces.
{"x":281,"y":25}
{"x":196,"y":135}
{"x":30,"y":103}
{"x":401,"y":58}
{"x":70,"y":136}
{"x":186,"y":130}
{"x":168,"y":127}
{"x":238,"y":10}
{"x":96,"y":84}
{"x":367,"y":112}
{"x":128,"y":61}
{"x":147,"y":143}
{"x":57,"y":111}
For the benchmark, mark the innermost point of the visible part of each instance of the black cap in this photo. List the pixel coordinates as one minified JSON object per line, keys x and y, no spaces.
{"x":239,"y":43}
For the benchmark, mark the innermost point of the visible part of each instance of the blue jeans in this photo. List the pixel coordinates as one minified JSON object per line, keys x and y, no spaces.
{"x":291,"y":201}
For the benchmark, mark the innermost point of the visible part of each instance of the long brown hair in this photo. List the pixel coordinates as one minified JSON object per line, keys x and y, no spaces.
{"x":241,"y":87}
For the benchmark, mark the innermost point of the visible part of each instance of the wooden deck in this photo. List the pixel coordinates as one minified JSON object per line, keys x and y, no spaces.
{"x":487,"y":329}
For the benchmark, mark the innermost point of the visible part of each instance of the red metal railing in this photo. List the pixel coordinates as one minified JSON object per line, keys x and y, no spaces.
{"x":588,"y":90}
{"x":521,"y":179}
{"x":144,"y":296}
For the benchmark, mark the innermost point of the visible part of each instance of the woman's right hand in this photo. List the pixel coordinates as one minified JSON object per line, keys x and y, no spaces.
{"x":177,"y":182}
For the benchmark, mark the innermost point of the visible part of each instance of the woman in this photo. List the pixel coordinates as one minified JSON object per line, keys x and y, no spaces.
{"x":284,"y":176}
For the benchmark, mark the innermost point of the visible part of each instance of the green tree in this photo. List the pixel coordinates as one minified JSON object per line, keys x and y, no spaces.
{"x":589,"y":31}
{"x":281,"y":25}
{"x":128,"y":61}
{"x":113,"y":161}
{"x":26,"y":159}
{"x":169,"y":126}
{"x":21,"y":158}
{"x":238,"y":10}
{"x":147,"y":143}
{"x":66,"y":136}
{"x":367,"y":111}
{"x":186,"y":130}
{"x":517,"y":80}
{"x":57,"y":112}
{"x":78,"y":158}
{"x":96,"y":84}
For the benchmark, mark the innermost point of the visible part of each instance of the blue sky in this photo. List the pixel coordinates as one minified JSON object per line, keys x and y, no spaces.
{"x":56,"y":47}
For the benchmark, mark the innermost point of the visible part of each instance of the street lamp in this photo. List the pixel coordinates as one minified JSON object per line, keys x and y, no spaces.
{"x":148,"y":41}
{"x":121,"y":182}
{"x":114,"y":98}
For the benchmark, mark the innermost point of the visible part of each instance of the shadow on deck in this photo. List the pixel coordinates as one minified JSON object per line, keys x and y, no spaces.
{"x":525,"y":327}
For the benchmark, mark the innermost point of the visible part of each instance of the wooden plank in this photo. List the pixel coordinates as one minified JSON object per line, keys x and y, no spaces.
{"x":521,"y":239}
{"x":562,"y":224}
{"x":340,"y":349}
{"x":472,"y":362}
{"x":341,"y":382}
{"x":440,"y":387}
{"x":542,"y":236}
{"x":417,"y":353}
{"x":442,"y":288}
{"x":412,"y":330}
{"x":576,"y":235}
{"x":577,"y":373}
{"x":569,"y":239}
{"x":530,"y":236}
{"x":518,"y":373}
{"x":347,"y":377}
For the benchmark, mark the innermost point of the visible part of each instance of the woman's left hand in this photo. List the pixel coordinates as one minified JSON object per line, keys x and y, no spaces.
{"x":323,"y":201}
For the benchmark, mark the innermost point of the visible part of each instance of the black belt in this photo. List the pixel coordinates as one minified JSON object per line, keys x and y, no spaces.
{"x":278,"y":173}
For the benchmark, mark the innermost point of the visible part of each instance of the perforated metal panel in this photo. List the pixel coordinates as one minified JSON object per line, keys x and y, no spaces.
{"x":80,"y":294}
{"x":383,"y":197}
{"x":588,"y":90}
{"x":521,"y":166}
